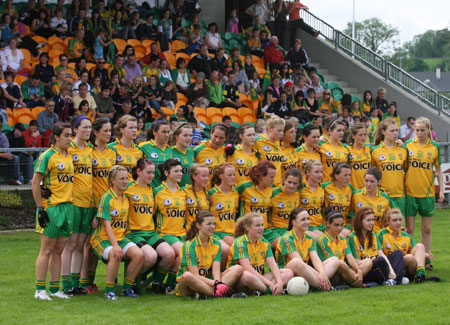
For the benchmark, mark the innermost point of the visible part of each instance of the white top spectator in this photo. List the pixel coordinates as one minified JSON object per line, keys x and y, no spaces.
{"x":9,"y":60}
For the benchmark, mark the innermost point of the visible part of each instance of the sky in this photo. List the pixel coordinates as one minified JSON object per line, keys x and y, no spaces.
{"x":412,"y":17}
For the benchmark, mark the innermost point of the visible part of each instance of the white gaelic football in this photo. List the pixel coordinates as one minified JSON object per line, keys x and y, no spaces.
{"x":297,"y":286}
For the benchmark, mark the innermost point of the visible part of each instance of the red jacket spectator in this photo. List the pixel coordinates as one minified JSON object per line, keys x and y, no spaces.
{"x":32,"y":136}
{"x":272,"y":53}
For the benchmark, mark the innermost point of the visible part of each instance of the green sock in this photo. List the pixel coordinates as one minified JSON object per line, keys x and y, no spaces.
{"x":91,"y":277}
{"x":75,"y":278}
{"x":171,"y":278}
{"x":268,"y":291}
{"x":40,"y":285}
{"x":128,"y":284}
{"x":66,"y":283}
{"x":84,"y":282}
{"x":54,"y":286}
{"x":159,"y":274}
{"x":427,"y":261}
{"x":420,"y":270}
{"x":109,"y":287}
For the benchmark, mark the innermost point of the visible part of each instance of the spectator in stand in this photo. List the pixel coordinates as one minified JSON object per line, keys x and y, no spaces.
{"x":58,"y":23}
{"x":118,"y":66}
{"x":408,"y":130}
{"x":259,"y":9}
{"x":231,"y":130}
{"x":212,"y":38}
{"x":84,"y":78}
{"x":201,"y":62}
{"x":9,"y":161}
{"x":71,"y":74}
{"x":12,"y":93}
{"x":169,"y":96}
{"x":104,"y":103}
{"x":315,"y":83}
{"x":392,"y":112}
{"x":59,"y":82}
{"x":181,"y":76}
{"x":80,"y":66}
{"x":125,"y":110}
{"x":154,"y":92}
{"x":275,"y":86}
{"x":280,"y":12}
{"x":46,"y":120}
{"x":83,"y":94}
{"x":231,"y":91}
{"x":12,"y":58}
{"x":60,"y":5}
{"x":99,"y":71}
{"x":153,"y":51}
{"x":219,"y":62}
{"x":132,"y":68}
{"x":7,"y":29}
{"x":297,"y":55}
{"x":240,"y":78}
{"x":164,"y":72}
{"x":45,"y":71}
{"x":197,"y":137}
{"x":63,"y":104}
{"x":147,"y":30}
{"x":216,"y":96}
{"x":84,"y":109}
{"x":273,"y":54}
{"x":295,"y":21}
{"x":165,"y":25}
{"x":152,"y":68}
{"x":281,"y":108}
{"x":78,"y":20}
{"x":380,"y":102}
{"x":195,"y":40}
{"x":33,"y":92}
{"x":254,"y":43}
{"x":77,"y":47}
{"x":17,"y":140}
{"x":33,"y":137}
{"x":198,"y":92}
{"x":41,"y":25}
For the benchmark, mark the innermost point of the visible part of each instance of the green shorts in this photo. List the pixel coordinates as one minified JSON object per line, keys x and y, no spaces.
{"x":82,"y":219}
{"x":280,"y":231}
{"x":399,"y":203}
{"x":61,"y":221}
{"x":221,"y":235}
{"x":102,"y":248}
{"x":321,"y":228}
{"x":172,"y":239}
{"x":425,"y":206}
{"x":270,"y":235}
{"x":145,"y":237}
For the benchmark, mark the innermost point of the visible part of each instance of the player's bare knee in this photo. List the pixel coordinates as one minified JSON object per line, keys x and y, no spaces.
{"x":237,"y":270}
{"x":420,"y":247}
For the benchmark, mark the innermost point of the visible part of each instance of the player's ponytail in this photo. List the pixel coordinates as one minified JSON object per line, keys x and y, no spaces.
{"x":193,"y":230}
{"x":140,"y":164}
{"x":293,"y":215}
{"x":379,"y":136}
{"x":243,"y":222}
{"x":358,"y":227}
{"x":96,"y":127}
{"x":215,"y":177}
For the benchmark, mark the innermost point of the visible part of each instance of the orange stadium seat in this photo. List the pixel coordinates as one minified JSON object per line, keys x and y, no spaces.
{"x":120,"y":44}
{"x":54,"y":39}
{"x":39,"y":39}
{"x":25,"y":118}
{"x":58,"y":46}
{"x":230,"y":111}
{"x":20,"y":79}
{"x":36,"y":110}
{"x":170,"y":58}
{"x":167,"y":110}
{"x":134,"y":42}
{"x":186,"y":57}
{"x":20,"y":111}
{"x":54,"y":53}
{"x":178,"y":45}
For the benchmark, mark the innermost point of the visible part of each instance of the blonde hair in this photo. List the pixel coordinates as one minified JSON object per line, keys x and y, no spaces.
{"x":274,"y":121}
{"x":425,"y":121}
{"x":379,"y":136}
{"x":388,"y":214}
{"x":122,"y":123}
{"x":114,"y":171}
{"x":244,"y":221}
{"x":177,"y":131}
{"x":355,"y":129}
{"x":308,"y":166}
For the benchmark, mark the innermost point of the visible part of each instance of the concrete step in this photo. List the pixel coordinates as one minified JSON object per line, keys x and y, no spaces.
{"x":330,"y":78}
{"x":351,"y":91}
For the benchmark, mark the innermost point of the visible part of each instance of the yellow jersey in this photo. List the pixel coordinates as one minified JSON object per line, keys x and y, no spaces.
{"x":389,"y":244}
{"x":362,"y":251}
{"x":252,"y":199}
{"x":170,"y":210}
{"x":58,"y":172}
{"x":126,"y":157}
{"x":225,"y":209}
{"x":193,"y":253}
{"x":101,"y":164}
{"x":289,"y":243}
{"x":115,"y":210}
{"x":313,"y":201}
{"x":332,"y":155}
{"x":195,"y":202}
{"x":392,"y":164}
{"x":281,"y":206}
{"x":379,"y":203}
{"x":243,"y":247}
{"x":82,"y":181}
{"x":142,"y":206}
{"x":208,"y":156}
{"x":273,"y":152}
{"x":291,"y":160}
{"x":339,"y":199}
{"x":327,"y":247}
{"x":419,"y":179}
{"x":242,"y":162}
{"x":303,"y":156}
{"x":360,"y":161}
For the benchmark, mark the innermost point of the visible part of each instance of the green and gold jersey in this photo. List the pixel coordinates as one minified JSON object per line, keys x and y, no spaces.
{"x":303,"y":156}
{"x":327,"y":247}
{"x":389,"y":244}
{"x":360,"y":161}
{"x":58,"y":171}
{"x":82,"y":180}
{"x":291,"y":161}
{"x":392,"y":163}
{"x":362,"y":251}
{"x":252,"y":199}
{"x":225,"y":208}
{"x":126,"y":157}
{"x":158,"y":156}
{"x":195,"y":202}
{"x":332,"y":155}
{"x":111,"y":208}
{"x":419,"y":179}
{"x":313,"y":202}
{"x":281,"y":206}
{"x":101,"y":164}
{"x":142,"y":206}
{"x":289,"y":243}
{"x":339,"y":199}
{"x":379,"y":203}
{"x":170,"y":210}
{"x":273,"y":152}
{"x":242,"y":162}
{"x":187,"y":159}
{"x":208,"y":156}
{"x":243,"y":247}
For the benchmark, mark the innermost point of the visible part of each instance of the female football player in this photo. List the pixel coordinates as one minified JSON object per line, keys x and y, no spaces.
{"x":290,"y":152}
{"x":197,"y":197}
{"x":180,"y":139}
{"x":359,"y":158}
{"x":244,"y":156}
{"x":309,"y":149}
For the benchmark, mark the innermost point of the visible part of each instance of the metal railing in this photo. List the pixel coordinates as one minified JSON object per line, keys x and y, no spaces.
{"x":389,"y":71}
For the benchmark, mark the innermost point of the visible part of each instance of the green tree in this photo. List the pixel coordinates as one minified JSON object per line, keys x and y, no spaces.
{"x":374,"y":34}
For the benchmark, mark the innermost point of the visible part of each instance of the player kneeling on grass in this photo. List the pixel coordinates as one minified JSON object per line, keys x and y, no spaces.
{"x":331,"y":244}
{"x":251,"y":251}
{"x":199,"y":272}
{"x":366,"y":249}
{"x":393,"y":239}
{"x":296,"y":251}
{"x":109,"y":242}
